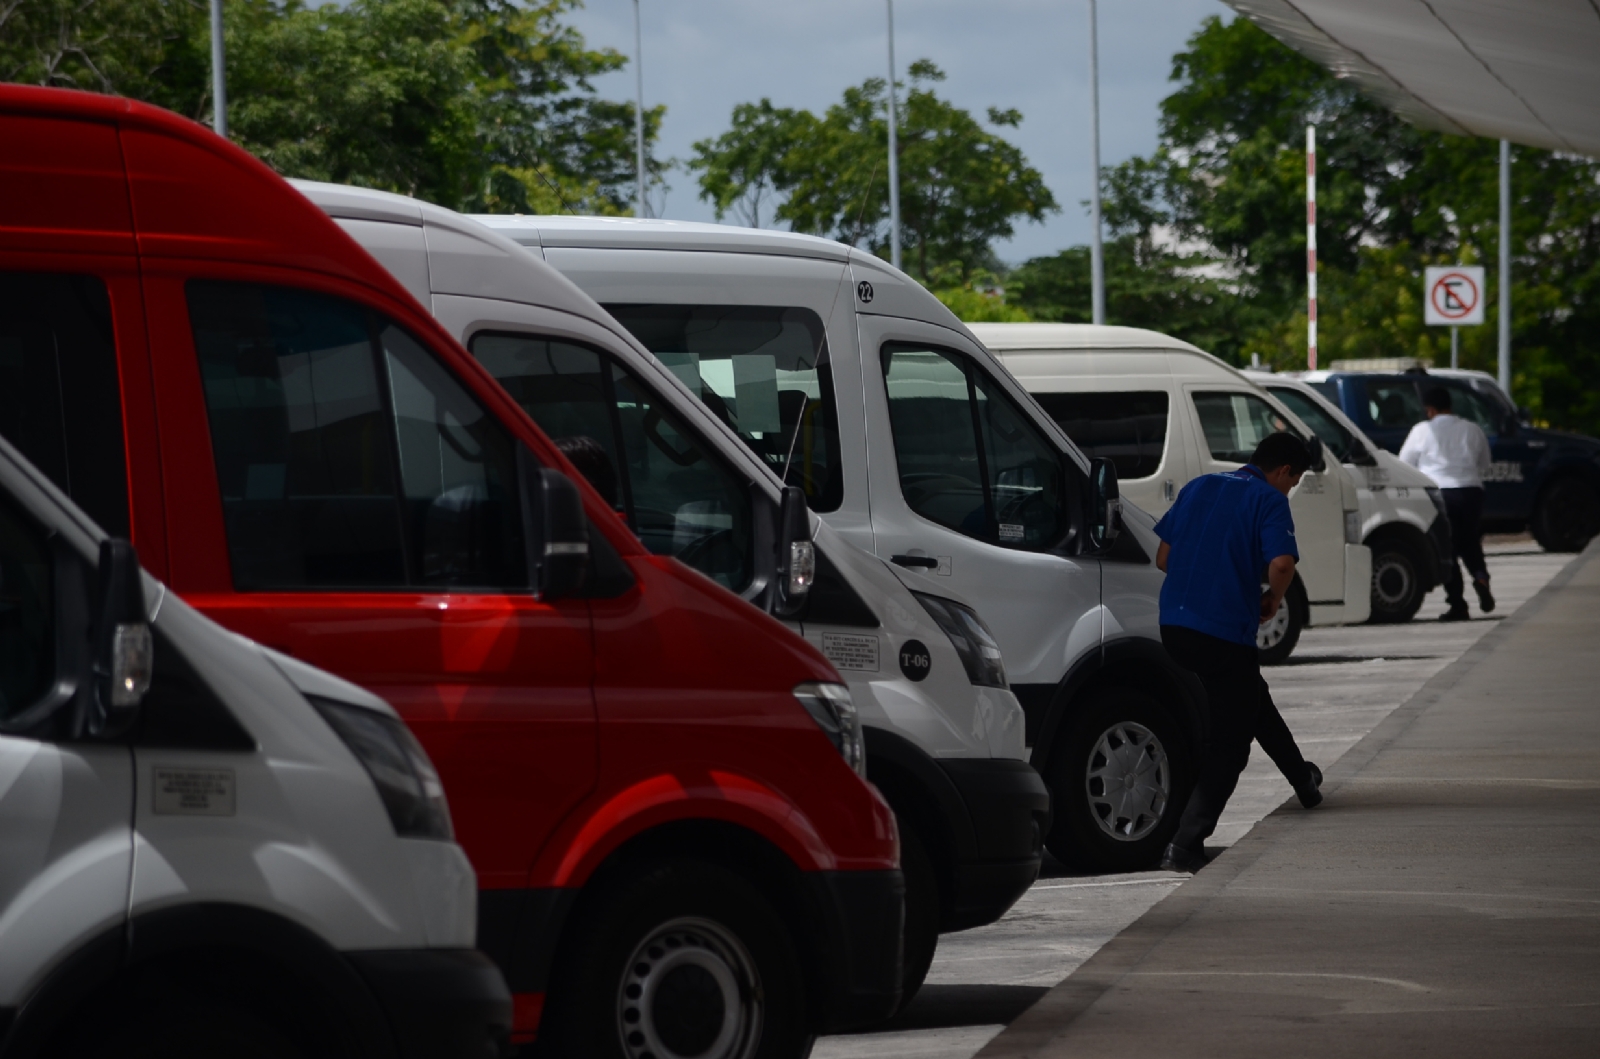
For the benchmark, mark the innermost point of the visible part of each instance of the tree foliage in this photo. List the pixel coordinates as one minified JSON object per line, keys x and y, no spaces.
{"x":473,"y":104}
{"x":962,"y":186}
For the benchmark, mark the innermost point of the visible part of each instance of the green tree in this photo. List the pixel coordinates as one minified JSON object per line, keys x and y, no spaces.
{"x":962,"y":186}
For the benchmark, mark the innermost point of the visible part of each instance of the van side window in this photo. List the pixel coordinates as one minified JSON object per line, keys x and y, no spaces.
{"x":1471,"y":405}
{"x":764,"y":371}
{"x":346,"y":456}
{"x":1130,"y":428}
{"x":60,"y":401}
{"x":1393,"y":404}
{"x":969,"y":458}
{"x":27,"y":606}
{"x":1235,"y":423}
{"x":676,"y":495}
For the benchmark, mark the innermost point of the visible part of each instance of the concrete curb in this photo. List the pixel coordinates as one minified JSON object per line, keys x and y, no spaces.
{"x":1058,"y":1009}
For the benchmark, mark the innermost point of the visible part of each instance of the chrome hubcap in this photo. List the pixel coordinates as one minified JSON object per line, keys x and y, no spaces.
{"x":1391,"y":581}
{"x":690,"y":991}
{"x":1128,"y":781}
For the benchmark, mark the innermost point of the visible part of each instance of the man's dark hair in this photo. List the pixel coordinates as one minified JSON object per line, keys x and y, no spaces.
{"x":593,"y":462}
{"x":1282,"y":450}
{"x":1437,"y":398}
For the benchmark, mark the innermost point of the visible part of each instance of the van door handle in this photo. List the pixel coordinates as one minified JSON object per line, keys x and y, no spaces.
{"x":926,"y":562}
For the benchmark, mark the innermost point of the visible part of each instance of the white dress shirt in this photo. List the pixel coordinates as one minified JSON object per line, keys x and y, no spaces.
{"x":1454,"y":452}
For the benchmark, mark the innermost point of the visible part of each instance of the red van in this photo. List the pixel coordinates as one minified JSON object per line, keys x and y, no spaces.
{"x":657,"y":784}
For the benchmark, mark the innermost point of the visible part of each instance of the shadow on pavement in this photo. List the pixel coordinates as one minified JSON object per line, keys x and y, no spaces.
{"x":1333,"y":660}
{"x":938,"y":1007}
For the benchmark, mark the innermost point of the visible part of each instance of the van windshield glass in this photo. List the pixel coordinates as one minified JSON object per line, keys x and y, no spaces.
{"x":764,"y":371}
{"x":1340,"y":441}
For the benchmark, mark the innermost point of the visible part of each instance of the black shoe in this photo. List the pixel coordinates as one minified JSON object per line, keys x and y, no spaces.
{"x":1485,"y":597}
{"x":1309,"y":789}
{"x":1456,"y":613}
{"x":1176,"y":858}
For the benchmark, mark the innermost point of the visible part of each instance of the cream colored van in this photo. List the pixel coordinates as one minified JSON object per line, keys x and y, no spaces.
{"x":1165,"y":412}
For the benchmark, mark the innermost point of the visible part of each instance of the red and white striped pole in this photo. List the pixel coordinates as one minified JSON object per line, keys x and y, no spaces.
{"x":1311,"y":247}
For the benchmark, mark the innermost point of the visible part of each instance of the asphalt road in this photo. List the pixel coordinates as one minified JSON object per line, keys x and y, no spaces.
{"x":1337,"y":687}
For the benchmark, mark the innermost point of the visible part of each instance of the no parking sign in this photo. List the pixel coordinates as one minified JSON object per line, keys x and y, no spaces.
{"x":1453,"y":295}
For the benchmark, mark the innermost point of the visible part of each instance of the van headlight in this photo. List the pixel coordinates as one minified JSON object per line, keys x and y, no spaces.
{"x":1438,"y":502}
{"x":1352,"y":527}
{"x":406,"y":780}
{"x":980,"y":654}
{"x":831,"y":707}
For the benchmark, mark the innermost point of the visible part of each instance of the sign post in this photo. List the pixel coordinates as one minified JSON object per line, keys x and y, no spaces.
{"x":1452,"y":296}
{"x":1311,"y":247}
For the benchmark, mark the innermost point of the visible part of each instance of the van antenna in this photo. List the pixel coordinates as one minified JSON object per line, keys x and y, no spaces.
{"x":844,"y":271}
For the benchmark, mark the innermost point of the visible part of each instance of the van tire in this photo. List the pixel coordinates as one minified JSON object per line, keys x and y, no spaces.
{"x":1398,"y":588}
{"x":1130,"y":724}
{"x":729,"y":959}
{"x":1294,"y":611}
{"x":1567,"y":515}
{"x":922,"y":913}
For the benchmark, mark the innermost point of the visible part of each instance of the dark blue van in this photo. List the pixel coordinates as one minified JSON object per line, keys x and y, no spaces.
{"x":1543,"y":480}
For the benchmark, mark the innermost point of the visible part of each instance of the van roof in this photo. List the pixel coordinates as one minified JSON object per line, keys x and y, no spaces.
{"x":632,"y":233}
{"x":1002,"y":338}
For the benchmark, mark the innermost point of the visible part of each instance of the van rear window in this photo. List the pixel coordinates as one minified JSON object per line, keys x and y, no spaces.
{"x":60,"y":402}
{"x":764,"y":371}
{"x":1129,"y":427}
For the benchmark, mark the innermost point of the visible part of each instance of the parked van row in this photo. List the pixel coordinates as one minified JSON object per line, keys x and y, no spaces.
{"x":657,"y":786}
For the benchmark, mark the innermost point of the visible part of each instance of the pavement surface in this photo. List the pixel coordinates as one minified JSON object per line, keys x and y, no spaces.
{"x":1341,"y":686}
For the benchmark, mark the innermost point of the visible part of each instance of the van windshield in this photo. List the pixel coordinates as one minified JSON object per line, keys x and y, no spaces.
{"x":762,"y":370}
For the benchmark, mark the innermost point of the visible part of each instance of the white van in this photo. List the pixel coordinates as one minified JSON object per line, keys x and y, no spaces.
{"x":916,"y":445}
{"x":1403,"y":521}
{"x":1168,"y":412}
{"x":943,"y":732}
{"x":207,"y":848}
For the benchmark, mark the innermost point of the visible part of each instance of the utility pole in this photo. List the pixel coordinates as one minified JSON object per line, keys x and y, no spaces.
{"x":1505,"y":266}
{"x":219,"y":74}
{"x":1097,"y":260}
{"x":1311,"y":248}
{"x":641,"y":208}
{"x":894,"y":155}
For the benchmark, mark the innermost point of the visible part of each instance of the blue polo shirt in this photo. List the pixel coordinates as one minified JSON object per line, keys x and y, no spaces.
{"x":1223,"y":531}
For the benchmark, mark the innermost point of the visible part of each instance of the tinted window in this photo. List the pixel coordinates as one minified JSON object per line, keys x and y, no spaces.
{"x":1339,"y":441}
{"x":27,"y":604}
{"x":1130,"y":428}
{"x":764,"y":371}
{"x":967,"y":456}
{"x":346,"y":456}
{"x":59,"y":398}
{"x":678,"y":497}
{"x":1469,"y":404}
{"x":1235,"y":423}
{"x":1393,"y":404}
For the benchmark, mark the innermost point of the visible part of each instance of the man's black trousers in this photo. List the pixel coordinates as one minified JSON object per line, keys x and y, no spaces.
{"x":1465,"y":508}
{"x":1240,"y":708}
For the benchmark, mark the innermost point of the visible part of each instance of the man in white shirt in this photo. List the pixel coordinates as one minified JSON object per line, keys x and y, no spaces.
{"x":1454,"y":452}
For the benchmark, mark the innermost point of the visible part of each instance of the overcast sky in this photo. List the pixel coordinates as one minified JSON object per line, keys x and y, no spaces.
{"x":701,"y":57}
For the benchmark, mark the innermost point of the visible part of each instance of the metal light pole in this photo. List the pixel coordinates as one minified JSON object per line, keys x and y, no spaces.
{"x":1505,"y":266}
{"x":1311,"y":247}
{"x":641,"y":209}
{"x":894,"y":155}
{"x":219,"y":76}
{"x":1097,"y":261}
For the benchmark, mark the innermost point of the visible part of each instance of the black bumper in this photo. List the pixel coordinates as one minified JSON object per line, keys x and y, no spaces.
{"x":1009,"y":809}
{"x":862,"y":919}
{"x":440,"y":1002}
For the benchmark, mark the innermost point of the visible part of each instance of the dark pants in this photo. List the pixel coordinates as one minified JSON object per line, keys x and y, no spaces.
{"x":1465,"y":508}
{"x":1239,"y":709}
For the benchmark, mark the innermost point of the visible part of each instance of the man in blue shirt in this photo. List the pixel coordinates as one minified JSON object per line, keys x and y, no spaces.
{"x":1218,"y":538}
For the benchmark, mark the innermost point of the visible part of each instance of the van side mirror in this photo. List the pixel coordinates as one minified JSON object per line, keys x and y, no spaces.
{"x":124,"y":653}
{"x":1106,"y":513}
{"x":797,"y":555}
{"x":1511,"y":424}
{"x":1319,"y":453}
{"x":1360,"y":455}
{"x":558,"y":530}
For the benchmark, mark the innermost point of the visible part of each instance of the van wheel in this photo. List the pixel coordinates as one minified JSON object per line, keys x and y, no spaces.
{"x":1567,"y":516}
{"x":922,"y":913}
{"x":1119,"y":785}
{"x":1276,"y":639}
{"x":681,"y":959}
{"x":1397,"y":590}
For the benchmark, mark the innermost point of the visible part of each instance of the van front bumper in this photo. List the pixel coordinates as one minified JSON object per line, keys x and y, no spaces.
{"x":863,"y":923}
{"x":1008,"y":805}
{"x":440,"y":1003}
